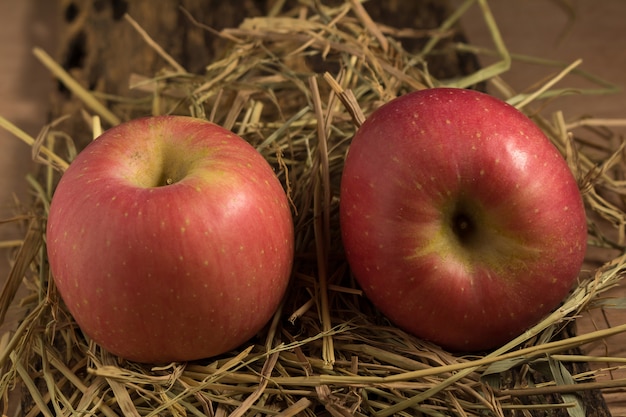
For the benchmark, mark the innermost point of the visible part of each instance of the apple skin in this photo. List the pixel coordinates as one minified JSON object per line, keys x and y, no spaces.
{"x":460,"y":220}
{"x":170,"y":239}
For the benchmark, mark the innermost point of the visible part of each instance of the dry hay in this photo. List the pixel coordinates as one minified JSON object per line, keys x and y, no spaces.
{"x":296,"y":86}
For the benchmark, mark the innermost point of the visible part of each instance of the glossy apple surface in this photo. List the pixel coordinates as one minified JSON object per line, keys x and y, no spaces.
{"x":170,"y":239}
{"x":460,"y":219}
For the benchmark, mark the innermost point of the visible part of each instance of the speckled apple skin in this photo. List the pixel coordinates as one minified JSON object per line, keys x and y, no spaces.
{"x":160,"y":273}
{"x":420,"y":158}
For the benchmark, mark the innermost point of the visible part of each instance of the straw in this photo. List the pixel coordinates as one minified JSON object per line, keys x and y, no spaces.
{"x":297,"y":84}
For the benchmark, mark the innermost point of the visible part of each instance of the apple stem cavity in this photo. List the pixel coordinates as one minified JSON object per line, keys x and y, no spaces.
{"x":171,"y":173}
{"x":463,"y":227}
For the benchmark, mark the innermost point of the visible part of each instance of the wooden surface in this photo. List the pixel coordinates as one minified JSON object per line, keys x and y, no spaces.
{"x":595,"y":32}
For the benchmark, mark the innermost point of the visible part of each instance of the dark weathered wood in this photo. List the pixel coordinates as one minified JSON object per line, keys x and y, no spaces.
{"x":101,"y":49}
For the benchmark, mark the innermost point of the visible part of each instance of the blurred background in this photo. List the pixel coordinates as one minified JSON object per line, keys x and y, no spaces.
{"x":24,"y":89}
{"x":561,"y":30}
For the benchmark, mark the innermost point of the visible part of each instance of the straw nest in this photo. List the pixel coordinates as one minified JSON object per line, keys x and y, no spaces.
{"x":297,"y":85}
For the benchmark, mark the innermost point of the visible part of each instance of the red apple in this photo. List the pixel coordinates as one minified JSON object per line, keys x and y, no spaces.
{"x":170,"y":239}
{"x":460,"y":219}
